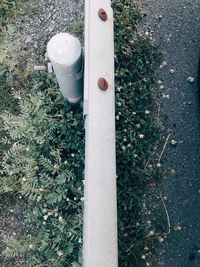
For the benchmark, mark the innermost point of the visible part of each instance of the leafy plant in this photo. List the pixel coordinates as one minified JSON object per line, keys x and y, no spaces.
{"x":44,"y":163}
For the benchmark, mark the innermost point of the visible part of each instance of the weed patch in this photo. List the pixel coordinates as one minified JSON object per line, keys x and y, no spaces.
{"x":137,"y":60}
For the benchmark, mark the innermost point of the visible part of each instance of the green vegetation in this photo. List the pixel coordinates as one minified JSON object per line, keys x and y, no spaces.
{"x":44,"y":163}
{"x":137,"y":61}
{"x":44,"y":157}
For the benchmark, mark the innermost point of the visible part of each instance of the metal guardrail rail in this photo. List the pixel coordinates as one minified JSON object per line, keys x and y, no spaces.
{"x":100,"y":212}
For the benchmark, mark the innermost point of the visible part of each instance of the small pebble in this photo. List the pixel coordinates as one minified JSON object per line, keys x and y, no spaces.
{"x":172,"y":71}
{"x":165,"y":96}
{"x":190,"y":79}
{"x":163,"y":64}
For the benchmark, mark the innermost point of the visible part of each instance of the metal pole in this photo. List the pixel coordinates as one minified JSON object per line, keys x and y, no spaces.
{"x":100,"y":212}
{"x":65,"y":53}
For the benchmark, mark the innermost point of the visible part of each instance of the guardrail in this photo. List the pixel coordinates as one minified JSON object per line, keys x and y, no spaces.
{"x":100,"y":212}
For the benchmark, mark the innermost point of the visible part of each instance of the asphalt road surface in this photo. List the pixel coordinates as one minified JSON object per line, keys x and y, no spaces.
{"x":176,"y":26}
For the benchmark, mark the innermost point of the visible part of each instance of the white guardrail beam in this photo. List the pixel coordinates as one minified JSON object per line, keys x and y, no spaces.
{"x":100,"y":212}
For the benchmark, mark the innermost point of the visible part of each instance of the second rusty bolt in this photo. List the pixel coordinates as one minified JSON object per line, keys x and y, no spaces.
{"x":102,"y":14}
{"x":103,"y":84}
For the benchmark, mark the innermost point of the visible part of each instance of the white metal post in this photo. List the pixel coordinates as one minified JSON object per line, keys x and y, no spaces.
{"x":100,"y":212}
{"x":65,"y":54}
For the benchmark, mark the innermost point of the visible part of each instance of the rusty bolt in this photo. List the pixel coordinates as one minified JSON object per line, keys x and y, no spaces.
{"x":102,"y":14}
{"x":103,"y":84}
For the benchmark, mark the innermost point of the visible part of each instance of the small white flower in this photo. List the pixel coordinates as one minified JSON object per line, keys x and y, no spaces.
{"x":27,"y":149}
{"x":129,"y":145}
{"x":125,"y":130}
{"x":24,"y":179}
{"x":50,"y":213}
{"x":159,"y":82}
{"x":177,"y":227}
{"x":75,"y":198}
{"x":143,"y":257}
{"x":39,"y":198}
{"x":117,"y":117}
{"x":123,"y":147}
{"x":67,"y":199}
{"x":55,"y":166}
{"x":134,"y":113}
{"x":124,"y":139}
{"x":160,"y":239}
{"x":138,"y":126}
{"x":45,"y":217}
{"x":80,"y":240}
{"x":59,"y":253}
{"x":82,"y":199}
{"x":65,"y":162}
{"x":158,"y":165}
{"x":148,"y":222}
{"x":60,"y":218}
{"x":161,"y":87}
{"x":119,"y":88}
{"x":173,"y":142}
{"x":165,"y":96}
{"x":83,"y":182}
{"x":30,"y":246}
{"x":119,"y":104}
{"x":141,"y":136}
{"x":56,"y":214}
{"x":73,"y":155}
{"x":151,"y":233}
{"x":147,"y":112}
{"x":135,"y":155}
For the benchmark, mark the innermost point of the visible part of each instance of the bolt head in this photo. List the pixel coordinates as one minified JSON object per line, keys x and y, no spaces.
{"x":102,"y":14}
{"x":103,"y":84}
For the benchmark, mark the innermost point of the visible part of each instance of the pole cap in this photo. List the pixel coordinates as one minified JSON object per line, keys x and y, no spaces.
{"x":64,"y":48}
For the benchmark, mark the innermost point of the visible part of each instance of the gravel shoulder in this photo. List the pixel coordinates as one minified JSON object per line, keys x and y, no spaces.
{"x":176,"y":26}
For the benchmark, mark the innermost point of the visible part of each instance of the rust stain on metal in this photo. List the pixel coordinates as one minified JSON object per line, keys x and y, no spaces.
{"x":103,"y":84}
{"x":102,"y":14}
